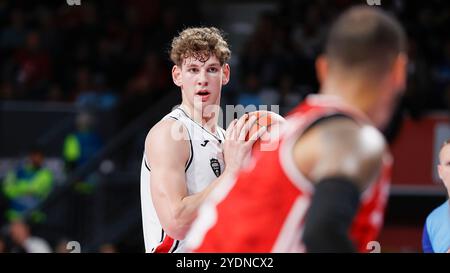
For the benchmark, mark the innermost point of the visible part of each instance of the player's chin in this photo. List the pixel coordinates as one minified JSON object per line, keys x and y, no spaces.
{"x":205,"y":104}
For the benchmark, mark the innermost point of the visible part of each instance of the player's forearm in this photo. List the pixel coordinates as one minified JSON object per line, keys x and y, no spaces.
{"x":186,"y":211}
{"x":330,"y":215}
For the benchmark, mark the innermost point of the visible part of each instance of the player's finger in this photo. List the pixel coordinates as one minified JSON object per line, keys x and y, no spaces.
{"x":248,"y":125}
{"x":230,"y":129}
{"x":257,"y":135}
{"x":239,"y":125}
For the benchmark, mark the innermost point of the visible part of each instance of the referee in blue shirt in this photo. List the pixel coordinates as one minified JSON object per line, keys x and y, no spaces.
{"x":436,"y":232}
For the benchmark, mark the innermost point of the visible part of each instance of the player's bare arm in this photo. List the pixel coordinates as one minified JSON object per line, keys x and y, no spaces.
{"x":344,"y":158}
{"x":340,"y":147}
{"x":167,"y":157}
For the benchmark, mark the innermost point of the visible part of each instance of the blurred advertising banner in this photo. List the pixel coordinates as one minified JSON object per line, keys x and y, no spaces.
{"x":416,"y":151}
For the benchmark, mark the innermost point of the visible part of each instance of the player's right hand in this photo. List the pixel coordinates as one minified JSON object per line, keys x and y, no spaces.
{"x":236,"y":148}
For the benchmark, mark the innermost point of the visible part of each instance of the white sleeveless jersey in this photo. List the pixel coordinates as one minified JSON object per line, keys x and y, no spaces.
{"x":205,"y":164}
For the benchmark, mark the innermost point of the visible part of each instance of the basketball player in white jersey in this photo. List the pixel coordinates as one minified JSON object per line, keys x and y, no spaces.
{"x":186,"y":152}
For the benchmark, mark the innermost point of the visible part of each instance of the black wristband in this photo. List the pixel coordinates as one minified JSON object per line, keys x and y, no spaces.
{"x":330,"y":215}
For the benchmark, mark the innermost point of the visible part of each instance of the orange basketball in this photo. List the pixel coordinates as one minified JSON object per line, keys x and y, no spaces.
{"x":272,"y":121}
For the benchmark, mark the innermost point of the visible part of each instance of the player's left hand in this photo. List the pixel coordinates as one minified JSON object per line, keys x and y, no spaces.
{"x":236,"y":148}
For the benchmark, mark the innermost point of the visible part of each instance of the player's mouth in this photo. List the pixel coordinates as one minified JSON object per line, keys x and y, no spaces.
{"x":203,"y":94}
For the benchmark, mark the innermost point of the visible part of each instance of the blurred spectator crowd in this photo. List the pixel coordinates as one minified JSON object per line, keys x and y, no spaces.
{"x":114,"y":53}
{"x":98,"y":54}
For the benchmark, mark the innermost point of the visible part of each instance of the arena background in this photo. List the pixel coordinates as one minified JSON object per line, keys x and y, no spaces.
{"x":104,"y":64}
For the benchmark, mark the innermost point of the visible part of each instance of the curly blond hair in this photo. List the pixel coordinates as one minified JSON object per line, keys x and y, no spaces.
{"x":200,"y":44}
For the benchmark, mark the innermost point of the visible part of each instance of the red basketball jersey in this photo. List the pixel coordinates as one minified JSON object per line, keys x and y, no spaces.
{"x":263,"y":210}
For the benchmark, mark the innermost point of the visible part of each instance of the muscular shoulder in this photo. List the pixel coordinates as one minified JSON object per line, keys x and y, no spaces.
{"x":340,"y":147}
{"x":168,"y":138}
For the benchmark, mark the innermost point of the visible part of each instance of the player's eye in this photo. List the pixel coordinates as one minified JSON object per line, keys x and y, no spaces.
{"x":213,"y":69}
{"x":193,"y":70}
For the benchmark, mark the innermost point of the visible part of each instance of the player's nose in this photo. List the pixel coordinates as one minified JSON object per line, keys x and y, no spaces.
{"x":202,"y":79}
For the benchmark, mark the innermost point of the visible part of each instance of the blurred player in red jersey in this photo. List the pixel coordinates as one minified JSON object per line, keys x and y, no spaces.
{"x":325,"y":187}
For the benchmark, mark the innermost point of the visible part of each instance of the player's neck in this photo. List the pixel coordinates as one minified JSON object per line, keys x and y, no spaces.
{"x":209,"y":122}
{"x":358,"y":94}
